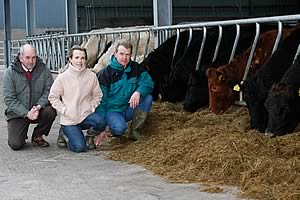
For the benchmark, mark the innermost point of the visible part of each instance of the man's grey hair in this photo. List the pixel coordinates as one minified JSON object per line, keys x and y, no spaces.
{"x":25,"y":46}
{"x":125,"y":43}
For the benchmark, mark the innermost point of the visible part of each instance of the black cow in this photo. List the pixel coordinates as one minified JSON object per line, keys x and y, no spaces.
{"x":283,"y":103}
{"x":197,"y":92}
{"x":255,"y":89}
{"x":159,"y":61}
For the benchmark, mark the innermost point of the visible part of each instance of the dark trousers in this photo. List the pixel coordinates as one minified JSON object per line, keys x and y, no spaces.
{"x":17,"y":128}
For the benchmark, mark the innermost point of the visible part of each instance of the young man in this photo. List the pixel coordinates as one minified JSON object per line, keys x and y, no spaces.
{"x":126,"y":88}
{"x":26,"y":87}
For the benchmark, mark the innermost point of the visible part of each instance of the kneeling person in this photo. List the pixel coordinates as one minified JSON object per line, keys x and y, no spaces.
{"x":127,"y":89}
{"x":26,"y":87}
{"x":75,"y":94}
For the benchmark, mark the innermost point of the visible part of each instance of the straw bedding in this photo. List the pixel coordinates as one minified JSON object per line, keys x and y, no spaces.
{"x":216,"y":151}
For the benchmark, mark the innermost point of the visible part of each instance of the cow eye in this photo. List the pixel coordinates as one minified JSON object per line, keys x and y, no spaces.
{"x":214,"y":88}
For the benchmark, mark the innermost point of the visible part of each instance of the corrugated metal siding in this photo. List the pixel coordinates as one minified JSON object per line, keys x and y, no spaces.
{"x":102,"y":13}
{"x":111,"y":13}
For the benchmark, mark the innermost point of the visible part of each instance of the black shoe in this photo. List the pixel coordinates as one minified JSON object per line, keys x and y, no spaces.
{"x":61,"y":142}
{"x":90,"y":143}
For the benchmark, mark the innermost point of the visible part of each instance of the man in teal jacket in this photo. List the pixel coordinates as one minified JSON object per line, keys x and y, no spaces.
{"x":127,"y":89}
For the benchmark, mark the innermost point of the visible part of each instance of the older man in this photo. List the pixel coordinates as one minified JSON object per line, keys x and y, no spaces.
{"x":26,"y":88}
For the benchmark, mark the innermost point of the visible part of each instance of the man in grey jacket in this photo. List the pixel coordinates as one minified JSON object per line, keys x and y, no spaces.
{"x":26,"y":88}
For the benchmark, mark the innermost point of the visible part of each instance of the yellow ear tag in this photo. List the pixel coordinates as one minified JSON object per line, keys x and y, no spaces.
{"x":299,"y":92}
{"x":236,"y":88}
{"x":220,"y":77}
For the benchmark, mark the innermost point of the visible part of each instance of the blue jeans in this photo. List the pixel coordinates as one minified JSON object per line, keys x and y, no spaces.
{"x":117,"y":121}
{"x":74,"y":134}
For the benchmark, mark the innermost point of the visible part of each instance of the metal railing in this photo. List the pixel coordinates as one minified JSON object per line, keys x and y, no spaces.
{"x":53,"y":48}
{"x":1,"y":53}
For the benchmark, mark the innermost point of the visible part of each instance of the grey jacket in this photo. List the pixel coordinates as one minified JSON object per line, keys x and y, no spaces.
{"x":20,"y":94}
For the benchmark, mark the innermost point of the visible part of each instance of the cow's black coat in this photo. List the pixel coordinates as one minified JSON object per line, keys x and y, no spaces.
{"x":159,"y":61}
{"x":255,"y":89}
{"x":197,"y":89}
{"x":283,"y":102}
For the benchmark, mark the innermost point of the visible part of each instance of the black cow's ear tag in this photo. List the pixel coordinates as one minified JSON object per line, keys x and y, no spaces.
{"x":299,"y":92}
{"x":236,"y":88}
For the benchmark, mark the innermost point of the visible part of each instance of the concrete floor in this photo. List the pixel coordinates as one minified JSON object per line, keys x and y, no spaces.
{"x":59,"y":174}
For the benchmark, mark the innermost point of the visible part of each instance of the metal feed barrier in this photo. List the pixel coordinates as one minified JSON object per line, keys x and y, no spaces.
{"x":53,"y":49}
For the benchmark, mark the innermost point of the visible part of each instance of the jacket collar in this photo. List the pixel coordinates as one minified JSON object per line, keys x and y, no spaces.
{"x":17,"y":65}
{"x":116,"y":65}
{"x":74,"y":70}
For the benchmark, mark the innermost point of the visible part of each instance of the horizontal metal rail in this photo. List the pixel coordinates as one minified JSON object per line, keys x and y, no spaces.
{"x":53,"y":48}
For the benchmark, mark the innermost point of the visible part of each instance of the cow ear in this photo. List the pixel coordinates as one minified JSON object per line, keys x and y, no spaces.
{"x":220,"y":75}
{"x":211,"y":72}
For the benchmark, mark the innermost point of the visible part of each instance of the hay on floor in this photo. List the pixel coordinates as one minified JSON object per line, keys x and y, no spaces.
{"x":216,"y":150}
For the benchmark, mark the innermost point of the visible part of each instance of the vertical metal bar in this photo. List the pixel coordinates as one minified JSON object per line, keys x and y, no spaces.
{"x":147,"y":44}
{"x":137,"y":45}
{"x":175,"y":47}
{"x":236,"y":41}
{"x":7,"y":32}
{"x":71,"y":16}
{"x":250,"y":58}
{"x":297,"y":53}
{"x":63,"y":55}
{"x":201,"y":49}
{"x":252,"y":51}
{"x":279,"y":34}
{"x":218,"y":43}
{"x":99,"y":51}
{"x":190,"y":39}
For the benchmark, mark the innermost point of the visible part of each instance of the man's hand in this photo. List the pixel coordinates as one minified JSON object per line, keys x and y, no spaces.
{"x":101,"y":137}
{"x":134,"y":100}
{"x":34,"y":112}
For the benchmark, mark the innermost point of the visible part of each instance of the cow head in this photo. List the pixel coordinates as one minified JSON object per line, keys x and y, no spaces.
{"x":220,"y":89}
{"x":197,"y":92}
{"x":280,"y":104}
{"x":254,"y":97}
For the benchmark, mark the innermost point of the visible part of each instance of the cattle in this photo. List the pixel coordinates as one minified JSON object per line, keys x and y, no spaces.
{"x":197,"y":93}
{"x":197,"y":86}
{"x":175,"y":85}
{"x":221,"y":80}
{"x":94,"y":46}
{"x":283,"y":103}
{"x":159,"y":61}
{"x":139,"y":42}
{"x":255,"y":89}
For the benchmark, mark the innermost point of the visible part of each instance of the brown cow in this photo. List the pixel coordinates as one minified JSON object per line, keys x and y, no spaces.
{"x":221,"y":80}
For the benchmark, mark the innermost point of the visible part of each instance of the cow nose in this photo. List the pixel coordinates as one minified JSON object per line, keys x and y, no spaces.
{"x":269,"y":134}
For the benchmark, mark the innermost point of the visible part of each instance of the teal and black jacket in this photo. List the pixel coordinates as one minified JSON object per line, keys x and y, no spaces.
{"x":118,"y":84}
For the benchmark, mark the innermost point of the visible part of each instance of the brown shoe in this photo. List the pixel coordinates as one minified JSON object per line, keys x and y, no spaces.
{"x":39,"y":141}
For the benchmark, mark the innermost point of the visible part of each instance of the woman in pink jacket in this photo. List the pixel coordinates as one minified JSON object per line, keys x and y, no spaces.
{"x":75,"y":94}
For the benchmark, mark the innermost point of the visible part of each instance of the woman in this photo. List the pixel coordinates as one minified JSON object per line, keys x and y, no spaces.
{"x":75,"y":94}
